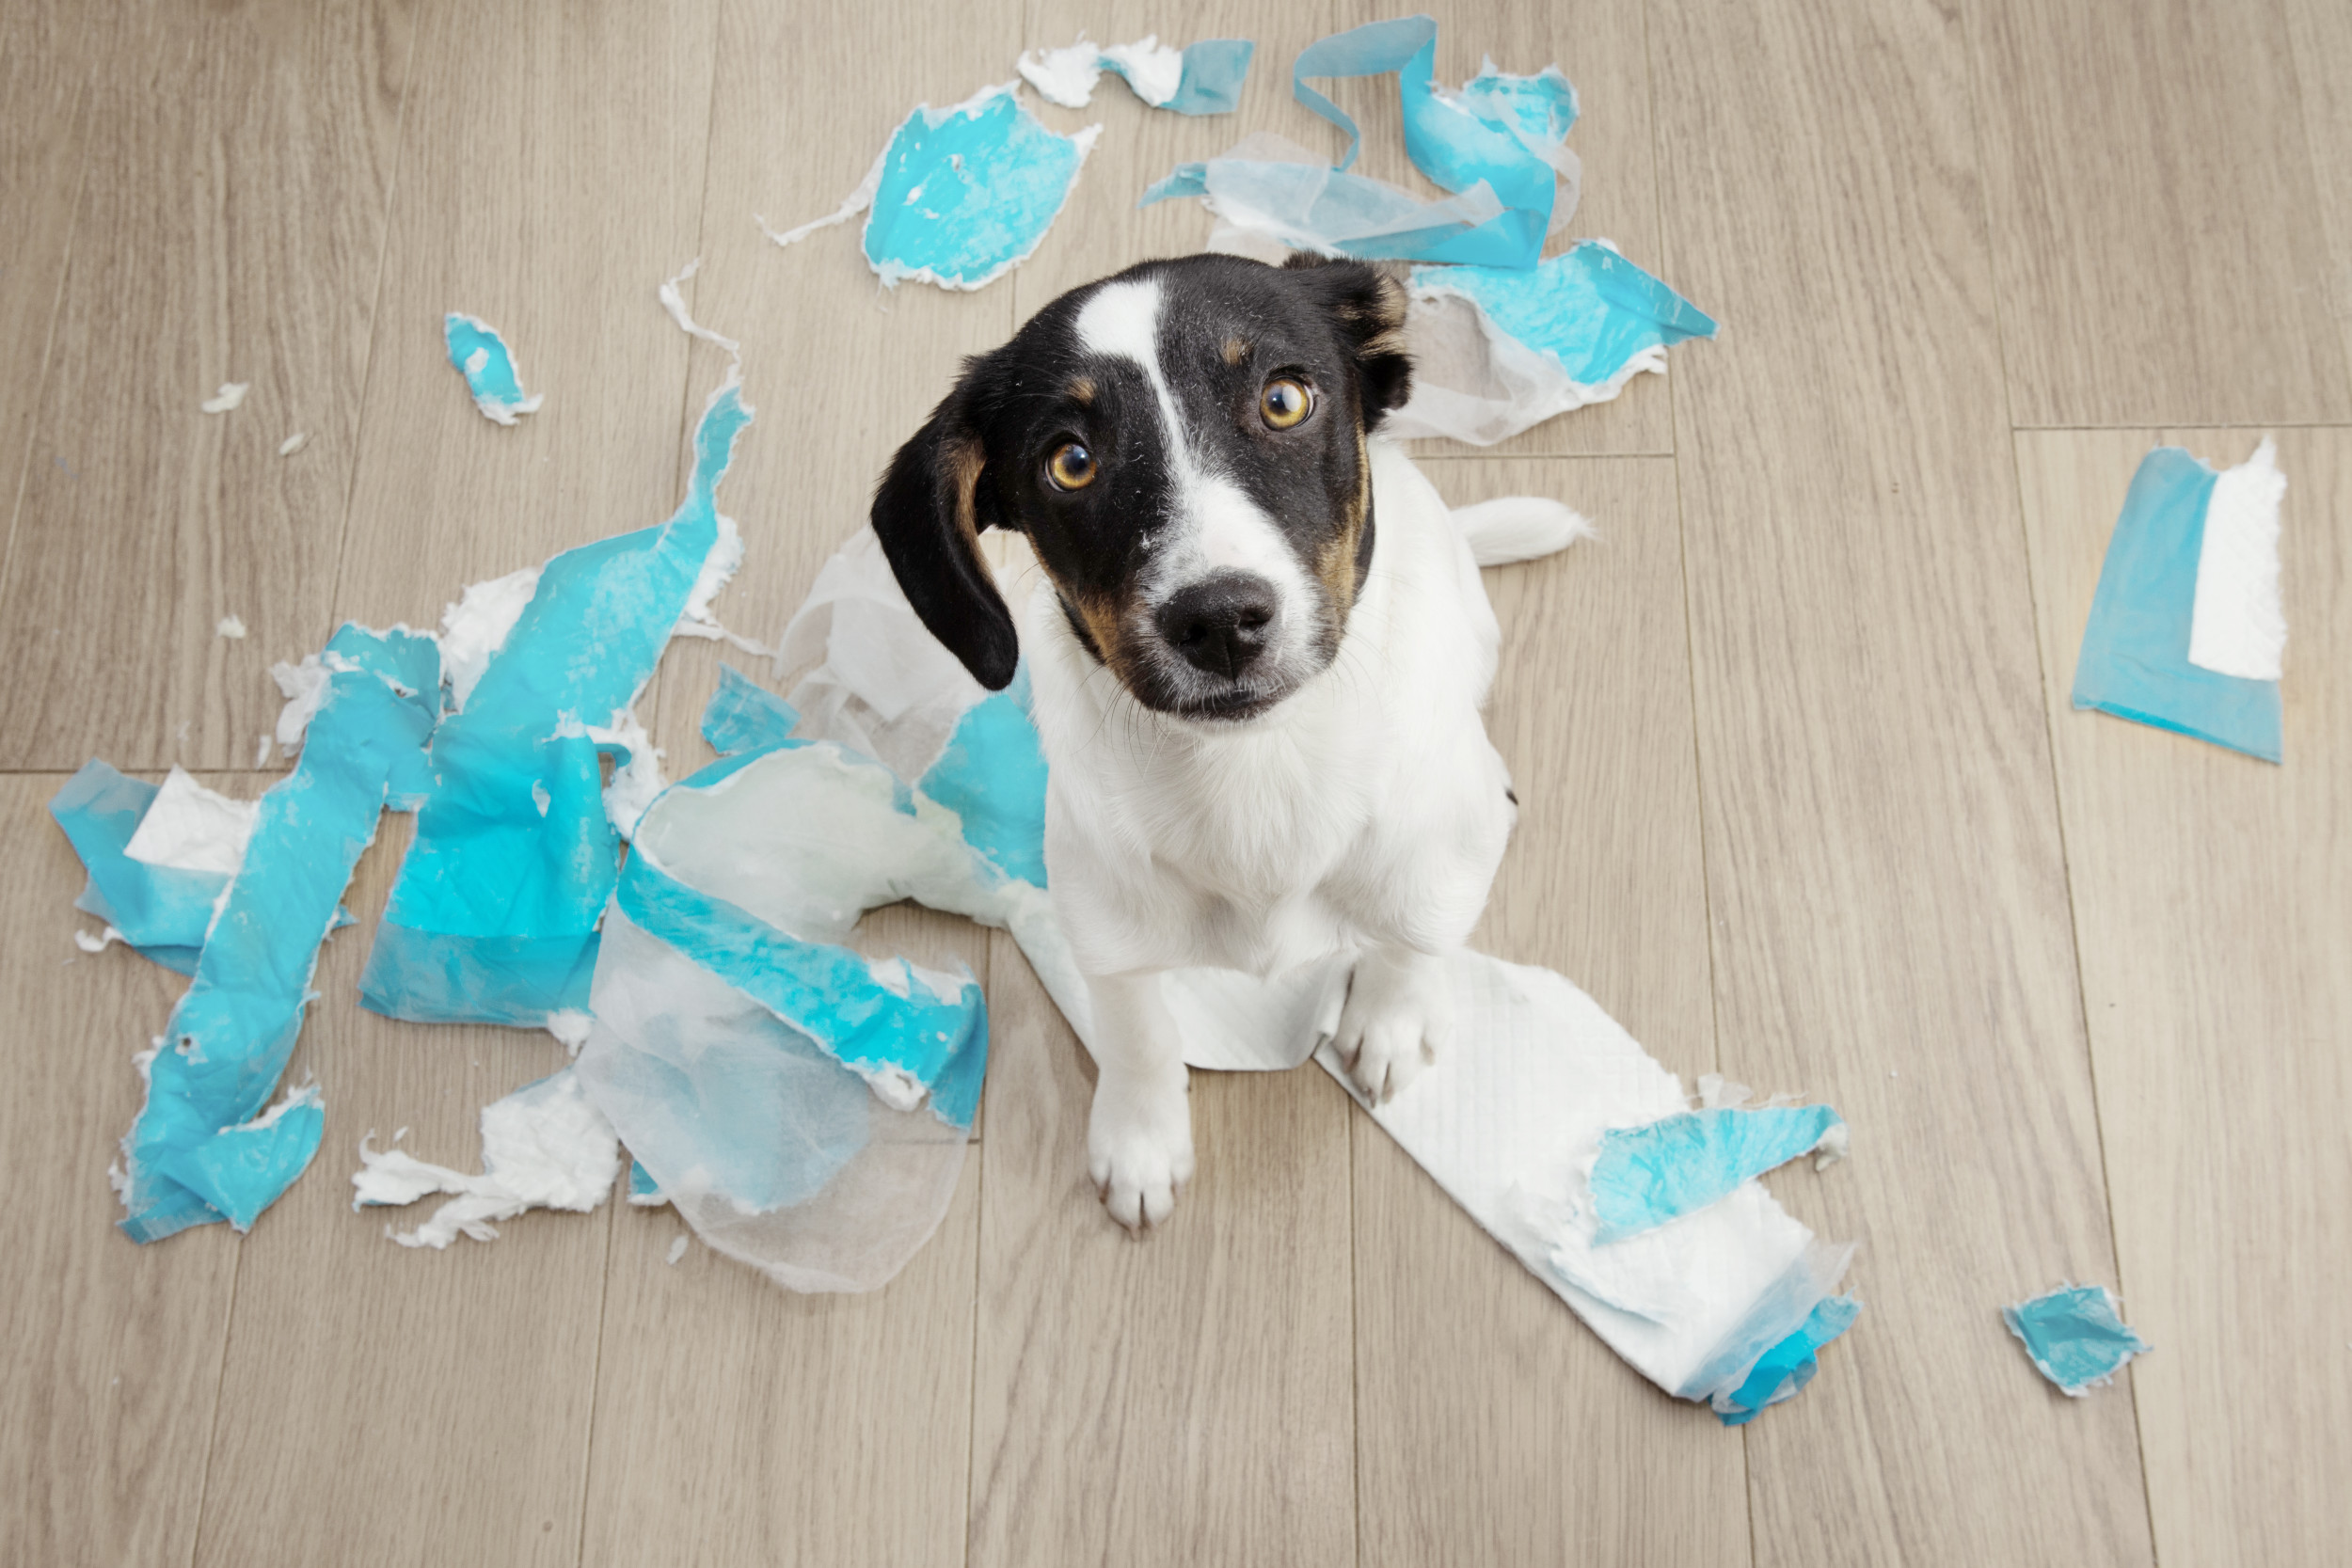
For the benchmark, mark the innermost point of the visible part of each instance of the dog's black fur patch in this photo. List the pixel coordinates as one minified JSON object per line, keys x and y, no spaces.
{"x":1227,"y":327}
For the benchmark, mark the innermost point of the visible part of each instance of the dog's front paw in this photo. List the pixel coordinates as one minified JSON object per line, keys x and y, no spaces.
{"x":1139,"y":1144}
{"x":1399,"y":1014}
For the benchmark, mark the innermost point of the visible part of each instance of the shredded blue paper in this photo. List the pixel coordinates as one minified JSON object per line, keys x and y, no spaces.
{"x":161,"y":911}
{"x":966,"y":194}
{"x":2135,"y":654}
{"x":493,"y":918}
{"x":480,"y":355}
{"x":1214,"y":70}
{"x":2074,"y":1336}
{"x":202,"y":1150}
{"x":1783,"y":1372}
{"x":1645,"y":1175}
{"x":993,"y":776}
{"x":1589,"y":309}
{"x":744,"y":716}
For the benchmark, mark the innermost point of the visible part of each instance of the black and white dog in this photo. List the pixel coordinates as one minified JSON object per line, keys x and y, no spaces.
{"x":1259,"y":651}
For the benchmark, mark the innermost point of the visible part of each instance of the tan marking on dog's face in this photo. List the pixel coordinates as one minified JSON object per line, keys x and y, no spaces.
{"x":1105,"y":617}
{"x":962,"y":463}
{"x":1081,"y":392}
{"x":1335,"y":562}
{"x":1235,"y":351}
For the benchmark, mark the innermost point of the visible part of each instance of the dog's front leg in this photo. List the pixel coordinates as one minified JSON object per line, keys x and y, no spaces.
{"x":1139,"y":1136}
{"x":1399,"y":1016}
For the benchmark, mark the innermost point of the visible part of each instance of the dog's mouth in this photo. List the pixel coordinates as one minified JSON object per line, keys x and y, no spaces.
{"x":1237,"y":706}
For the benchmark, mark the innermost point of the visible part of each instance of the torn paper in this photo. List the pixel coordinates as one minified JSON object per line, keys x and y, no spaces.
{"x":1204,"y":79}
{"x":1642,"y":1177}
{"x":1497,"y":351}
{"x":2075,"y":1335}
{"x":232,"y":395}
{"x":231,"y":628}
{"x":202,"y":1149}
{"x":2238,"y":626}
{"x":963,"y":195}
{"x":543,"y":1146}
{"x":2135,"y":660}
{"x":481,"y":357}
{"x":1497,"y":146}
{"x":293,"y":444}
{"x":190,"y":828}
{"x":494,"y":917}
{"x":161,"y":911}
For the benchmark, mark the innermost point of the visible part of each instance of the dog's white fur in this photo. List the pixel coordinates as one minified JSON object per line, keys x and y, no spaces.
{"x":1367,"y":811}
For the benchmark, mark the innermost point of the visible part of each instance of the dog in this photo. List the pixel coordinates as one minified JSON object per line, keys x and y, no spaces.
{"x":1259,"y":651}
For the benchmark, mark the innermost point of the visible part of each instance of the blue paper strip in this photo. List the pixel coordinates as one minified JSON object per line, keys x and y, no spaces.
{"x":1214,"y":70}
{"x":1645,"y":1175}
{"x":2135,"y":654}
{"x":480,"y":355}
{"x":494,"y":917}
{"x":993,"y":776}
{"x":1783,"y":1372}
{"x":161,"y":911}
{"x":1590,"y":310}
{"x":191,"y":1159}
{"x":2074,"y":1334}
{"x":744,"y":716}
{"x":967,"y":193}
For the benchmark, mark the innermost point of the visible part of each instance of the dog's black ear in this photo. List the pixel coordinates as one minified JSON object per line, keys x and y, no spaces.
{"x":929,"y":510}
{"x":1369,"y":306}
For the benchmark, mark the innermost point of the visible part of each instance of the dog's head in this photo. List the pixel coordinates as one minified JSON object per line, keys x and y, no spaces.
{"x":1183,"y":444}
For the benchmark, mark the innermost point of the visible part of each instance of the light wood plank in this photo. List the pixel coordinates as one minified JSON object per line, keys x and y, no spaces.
{"x":2319,"y":34}
{"x":1178,"y":1400}
{"x":457,"y":1382}
{"x":1601,"y":46}
{"x":1493,"y":1427}
{"x":2157,"y":228}
{"x":115,"y":1348}
{"x":47,"y":58}
{"x":230,"y":229}
{"x":2211,"y":909}
{"x":1885,"y":878}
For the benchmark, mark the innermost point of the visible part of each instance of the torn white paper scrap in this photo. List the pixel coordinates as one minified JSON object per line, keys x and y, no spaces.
{"x":675,"y":302}
{"x":2238,"y":626}
{"x":231,"y":628}
{"x":543,"y":1146}
{"x":678,"y":1250}
{"x":190,"y":828}
{"x":476,"y":627}
{"x":231,"y":393}
{"x":1150,"y":67}
{"x":293,"y":444}
{"x":1204,"y":79}
{"x":1065,"y":76}
{"x":963,"y":195}
{"x":481,"y":357}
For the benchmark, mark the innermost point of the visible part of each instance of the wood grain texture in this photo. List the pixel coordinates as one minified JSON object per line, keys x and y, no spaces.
{"x":1885,"y":870}
{"x":230,"y":224}
{"x":1601,"y":46}
{"x":2211,"y":910}
{"x":1178,"y":1400}
{"x":1494,"y":1428}
{"x":2319,"y":34}
{"x":114,"y":1348}
{"x":47,"y":58}
{"x":2157,"y":228}
{"x":455,"y":1384}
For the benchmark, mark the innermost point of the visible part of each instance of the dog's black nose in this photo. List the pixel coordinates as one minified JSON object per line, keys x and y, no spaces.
{"x":1219,"y":624}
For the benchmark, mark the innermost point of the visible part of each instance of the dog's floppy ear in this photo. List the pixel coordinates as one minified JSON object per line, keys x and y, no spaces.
{"x":929,"y":510}
{"x":1369,"y":306}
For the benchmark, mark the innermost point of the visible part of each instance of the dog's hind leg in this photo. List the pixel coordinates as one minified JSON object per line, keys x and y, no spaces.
{"x":1399,"y":1016}
{"x":1139,"y":1132}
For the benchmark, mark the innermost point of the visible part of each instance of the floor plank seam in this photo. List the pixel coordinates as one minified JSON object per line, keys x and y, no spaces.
{"x":596,"y":1379}
{"x":220,"y":1383}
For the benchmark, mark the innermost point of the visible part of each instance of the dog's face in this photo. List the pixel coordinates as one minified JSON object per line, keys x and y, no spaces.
{"x":1183,"y":444}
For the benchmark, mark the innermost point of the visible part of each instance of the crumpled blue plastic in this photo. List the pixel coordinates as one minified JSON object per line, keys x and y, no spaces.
{"x":1589,"y":308}
{"x":493,"y":918}
{"x":1214,"y":70}
{"x":2135,"y":654}
{"x":991,"y":774}
{"x":2074,"y":1334}
{"x":480,"y":355}
{"x":966,"y":193}
{"x":1645,"y":1175}
{"x":1483,"y":139}
{"x":196,"y":1154}
{"x":1783,"y":1372}
{"x":161,"y":911}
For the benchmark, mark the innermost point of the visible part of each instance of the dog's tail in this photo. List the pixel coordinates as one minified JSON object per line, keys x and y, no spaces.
{"x":1519,"y":527}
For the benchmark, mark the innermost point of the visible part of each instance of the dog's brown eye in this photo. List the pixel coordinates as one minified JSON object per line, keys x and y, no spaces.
{"x":1071,"y":468}
{"x":1284,"y":403}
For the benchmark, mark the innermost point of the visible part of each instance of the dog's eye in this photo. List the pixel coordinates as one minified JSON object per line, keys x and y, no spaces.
{"x":1071,"y":468}
{"x":1284,"y":403}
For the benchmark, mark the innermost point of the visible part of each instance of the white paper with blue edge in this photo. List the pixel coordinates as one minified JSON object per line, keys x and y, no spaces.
{"x":2191,"y":570}
{"x":963,"y":195}
{"x":1721,"y":1296}
{"x":1204,"y":78}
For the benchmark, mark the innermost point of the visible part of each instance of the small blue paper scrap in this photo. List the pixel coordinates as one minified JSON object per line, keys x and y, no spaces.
{"x":744,"y":716}
{"x":481,"y":357}
{"x":1645,"y":1175}
{"x":2135,"y":654}
{"x":1214,"y":70}
{"x":202,"y":1150}
{"x":2075,"y":1335}
{"x":1589,"y":309}
{"x":966,"y":194}
{"x":161,"y":911}
{"x":493,"y":918}
{"x":1783,"y":1372}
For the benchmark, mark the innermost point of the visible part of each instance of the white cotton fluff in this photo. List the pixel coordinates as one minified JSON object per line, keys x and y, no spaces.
{"x":1152,"y":69}
{"x":1065,"y":76}
{"x":476,"y":627}
{"x":543,"y":1146}
{"x":2239,"y":625}
{"x":231,"y":393}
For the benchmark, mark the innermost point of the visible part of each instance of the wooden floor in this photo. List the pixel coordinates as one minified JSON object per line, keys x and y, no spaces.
{"x":1804,"y":800}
